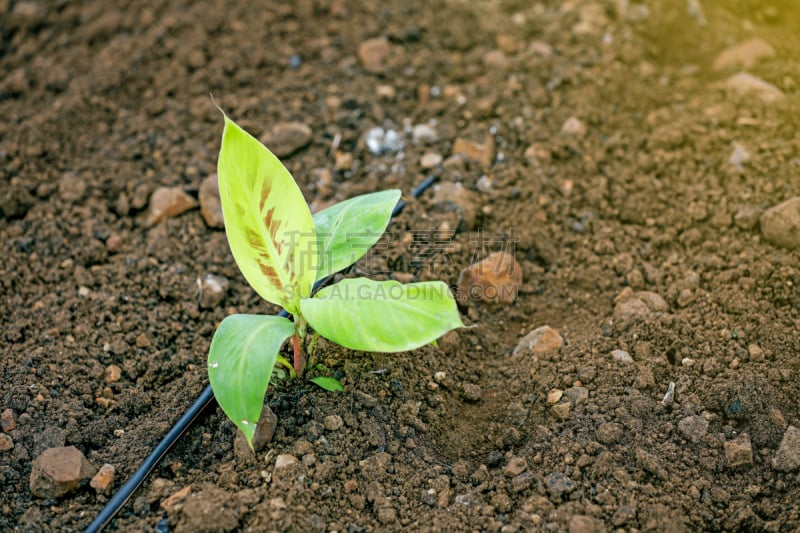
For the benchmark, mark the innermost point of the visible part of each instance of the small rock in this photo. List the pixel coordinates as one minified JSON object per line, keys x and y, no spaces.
{"x":428,"y":497}
{"x":286,"y":138}
{"x":333,"y":422}
{"x":112,"y":374}
{"x":423,"y":134}
{"x":174,"y":501}
{"x":168,"y":202}
{"x":608,"y":433}
{"x":581,"y":523}
{"x":210,"y":206}
{"x":480,"y":152}
{"x":372,"y":54}
{"x":632,"y":307}
{"x":454,"y":196}
{"x":471,"y":392}
{"x":747,"y":216}
{"x":541,"y":340}
{"x":71,"y":187}
{"x":6,"y":443}
{"x":59,"y":471}
{"x":745,"y":84}
{"x":212,"y":290}
{"x":576,"y":395}
{"x":561,"y":410}
{"x":285,"y":460}
{"x":380,"y":141}
{"x":265,"y":429}
{"x":744,"y":55}
{"x":694,"y":428}
{"x":430,"y":159}
{"x":621,"y":356}
{"x":554,"y":396}
{"x":624,"y":514}
{"x":494,"y":280}
{"x":101,"y":482}
{"x":114,"y":243}
{"x":210,"y":509}
{"x":574,"y":127}
{"x":516,"y":465}
{"x":780,"y":224}
{"x":739,"y":451}
{"x":787,"y":458}
{"x":7,"y":422}
{"x":558,"y":484}
{"x":739,"y":156}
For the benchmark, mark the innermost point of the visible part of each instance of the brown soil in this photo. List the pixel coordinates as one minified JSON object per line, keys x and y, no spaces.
{"x":100,"y":107}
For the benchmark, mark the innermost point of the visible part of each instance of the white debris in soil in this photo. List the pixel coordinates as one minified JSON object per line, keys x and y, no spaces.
{"x":380,"y":141}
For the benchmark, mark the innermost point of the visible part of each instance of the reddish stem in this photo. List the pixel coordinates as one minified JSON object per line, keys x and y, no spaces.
{"x":299,"y":357}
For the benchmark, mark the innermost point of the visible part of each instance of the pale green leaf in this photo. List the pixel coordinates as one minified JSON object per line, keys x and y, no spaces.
{"x":328,"y":383}
{"x":268,"y":224}
{"x":382,"y":316}
{"x":240,"y":361}
{"x":347,"y":230}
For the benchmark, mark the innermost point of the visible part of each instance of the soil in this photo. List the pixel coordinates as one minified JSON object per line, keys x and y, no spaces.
{"x":603,"y":162}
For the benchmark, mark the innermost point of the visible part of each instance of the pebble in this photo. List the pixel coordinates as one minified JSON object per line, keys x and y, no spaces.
{"x":265,"y":429}
{"x":747,"y":216}
{"x":286,"y":138}
{"x":624,"y":514}
{"x":102,"y":481}
{"x":471,"y":392}
{"x":60,"y":471}
{"x":739,"y":156}
{"x":739,"y":451}
{"x":380,"y":141}
{"x":631,"y":307}
{"x":780,"y":224}
{"x":581,"y":523}
{"x":430,"y":159}
{"x":561,"y":410}
{"x":168,"y":202}
{"x":71,"y":188}
{"x":210,"y":206}
{"x":694,"y":428}
{"x":541,"y":340}
{"x":743,"y":83}
{"x":576,"y":395}
{"x":480,"y":152}
{"x":554,"y":396}
{"x":7,"y":422}
{"x":112,"y":374}
{"x":621,"y":356}
{"x":464,"y":201}
{"x":494,"y":280}
{"x":787,"y":458}
{"x":114,"y":243}
{"x":516,"y":465}
{"x":212,"y":290}
{"x":558,"y":484}
{"x":423,"y":134}
{"x":574,"y":127}
{"x":372,"y":54}
{"x":744,"y":55}
{"x":285,"y":460}
{"x":608,"y":433}
{"x":6,"y":443}
{"x":333,"y":422}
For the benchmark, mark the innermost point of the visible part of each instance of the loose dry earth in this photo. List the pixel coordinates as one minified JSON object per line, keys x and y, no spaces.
{"x":610,"y":145}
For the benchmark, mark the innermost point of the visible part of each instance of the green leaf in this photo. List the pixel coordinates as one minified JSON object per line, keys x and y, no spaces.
{"x":345,"y":231}
{"x":328,"y":383}
{"x":269,"y":227}
{"x":240,"y":361}
{"x":382,"y":316}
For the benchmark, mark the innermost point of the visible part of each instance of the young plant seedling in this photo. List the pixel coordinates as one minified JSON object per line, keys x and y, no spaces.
{"x":282,"y":251}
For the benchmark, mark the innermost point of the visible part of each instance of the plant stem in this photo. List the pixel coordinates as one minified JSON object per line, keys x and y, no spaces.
{"x":299,"y":356}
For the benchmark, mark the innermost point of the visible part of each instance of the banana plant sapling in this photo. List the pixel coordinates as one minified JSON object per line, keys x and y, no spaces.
{"x":282,"y":250}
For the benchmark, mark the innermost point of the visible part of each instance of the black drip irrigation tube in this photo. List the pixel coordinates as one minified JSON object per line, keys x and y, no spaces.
{"x":117,"y":502}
